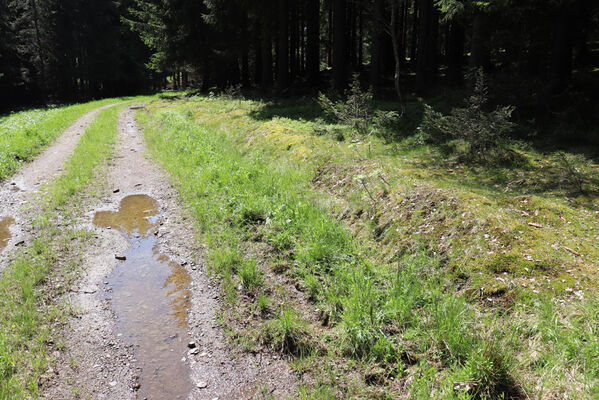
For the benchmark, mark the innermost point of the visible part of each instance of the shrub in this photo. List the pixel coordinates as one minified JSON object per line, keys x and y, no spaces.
{"x":470,"y":132}
{"x":573,"y":171}
{"x":356,"y":111}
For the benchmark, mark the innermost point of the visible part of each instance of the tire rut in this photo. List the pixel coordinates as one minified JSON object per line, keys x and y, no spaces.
{"x":20,"y":194}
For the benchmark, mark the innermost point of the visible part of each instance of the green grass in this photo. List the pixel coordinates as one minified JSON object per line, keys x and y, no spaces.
{"x":28,"y":289}
{"x":417,"y":276}
{"x":25,"y":134}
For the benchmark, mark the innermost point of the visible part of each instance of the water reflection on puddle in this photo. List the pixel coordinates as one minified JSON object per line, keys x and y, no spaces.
{"x":150,"y":297}
{"x":5,"y":235}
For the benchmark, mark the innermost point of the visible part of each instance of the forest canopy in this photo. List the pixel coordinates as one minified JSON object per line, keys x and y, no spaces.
{"x":540,"y":56}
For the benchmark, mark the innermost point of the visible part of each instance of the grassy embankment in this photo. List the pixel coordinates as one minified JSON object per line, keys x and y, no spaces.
{"x":45,"y":268}
{"x":25,"y":134}
{"x":387,"y":270}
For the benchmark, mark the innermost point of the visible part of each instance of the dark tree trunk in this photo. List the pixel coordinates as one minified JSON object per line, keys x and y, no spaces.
{"x":426,"y":63}
{"x":360,"y":37}
{"x":245,"y":68}
{"x":339,"y":45}
{"x":294,"y":40}
{"x":313,"y":40}
{"x":330,"y":36}
{"x":378,"y":37}
{"x":40,"y":49}
{"x":561,"y":54}
{"x":455,"y":53}
{"x":395,"y":37}
{"x":266,"y":59}
{"x":479,"y":49}
{"x":185,"y":78}
{"x":414,"y":44}
{"x":283,"y":46}
{"x":258,"y":56}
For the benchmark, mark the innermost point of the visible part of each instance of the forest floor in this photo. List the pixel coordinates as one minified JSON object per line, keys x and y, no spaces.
{"x":254,"y":250}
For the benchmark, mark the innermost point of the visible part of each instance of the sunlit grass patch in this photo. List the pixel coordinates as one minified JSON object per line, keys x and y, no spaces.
{"x":25,"y":134}
{"x":460,"y":281}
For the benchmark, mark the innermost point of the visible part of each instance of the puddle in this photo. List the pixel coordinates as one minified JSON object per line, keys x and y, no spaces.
{"x":5,"y":235}
{"x":150,"y":296}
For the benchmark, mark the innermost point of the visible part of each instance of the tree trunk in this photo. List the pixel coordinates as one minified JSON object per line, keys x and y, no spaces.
{"x":258,"y":56}
{"x":330,"y":36}
{"x":294,"y":40}
{"x":339,"y":45}
{"x":561,"y":54}
{"x":313,"y":40}
{"x":455,"y":53}
{"x":395,"y":37}
{"x":266,"y":59}
{"x":378,"y":36}
{"x":414,"y":44}
{"x":479,"y":51}
{"x":426,"y":63}
{"x":283,"y":46}
{"x":40,"y":48}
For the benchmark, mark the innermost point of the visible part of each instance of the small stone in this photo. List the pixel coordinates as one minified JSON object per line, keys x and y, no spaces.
{"x":120,"y":257}
{"x":202,"y":385}
{"x":194,"y":351}
{"x":191,"y":345}
{"x":112,"y":384}
{"x":203,"y":354}
{"x":21,"y":243}
{"x":116,"y":190}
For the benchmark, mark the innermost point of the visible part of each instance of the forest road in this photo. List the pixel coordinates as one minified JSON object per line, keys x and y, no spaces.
{"x":19,"y":196}
{"x":148,"y":326}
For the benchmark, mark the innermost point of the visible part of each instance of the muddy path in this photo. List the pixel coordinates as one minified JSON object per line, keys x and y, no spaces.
{"x":147,"y":326}
{"x":19,"y":195}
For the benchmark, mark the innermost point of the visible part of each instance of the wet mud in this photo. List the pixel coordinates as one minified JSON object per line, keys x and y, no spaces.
{"x":150,"y":296}
{"x":5,"y":234}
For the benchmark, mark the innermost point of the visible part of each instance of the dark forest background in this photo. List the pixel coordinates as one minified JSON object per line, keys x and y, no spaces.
{"x":542,"y":56}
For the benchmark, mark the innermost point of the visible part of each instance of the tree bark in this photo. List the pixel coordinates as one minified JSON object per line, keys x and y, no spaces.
{"x":339,"y":45}
{"x":313,"y":41}
{"x":266,"y":59}
{"x":479,"y":50}
{"x":455,"y":53}
{"x":40,"y":48}
{"x":283,"y":46}
{"x":395,"y":38}
{"x":561,"y":54}
{"x":378,"y":37}
{"x":426,"y":62}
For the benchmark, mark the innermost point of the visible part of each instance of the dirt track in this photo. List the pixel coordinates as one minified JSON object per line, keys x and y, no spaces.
{"x":99,"y":363}
{"x":19,"y":194}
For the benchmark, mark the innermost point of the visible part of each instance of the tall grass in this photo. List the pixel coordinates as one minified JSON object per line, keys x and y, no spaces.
{"x":374,"y":310}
